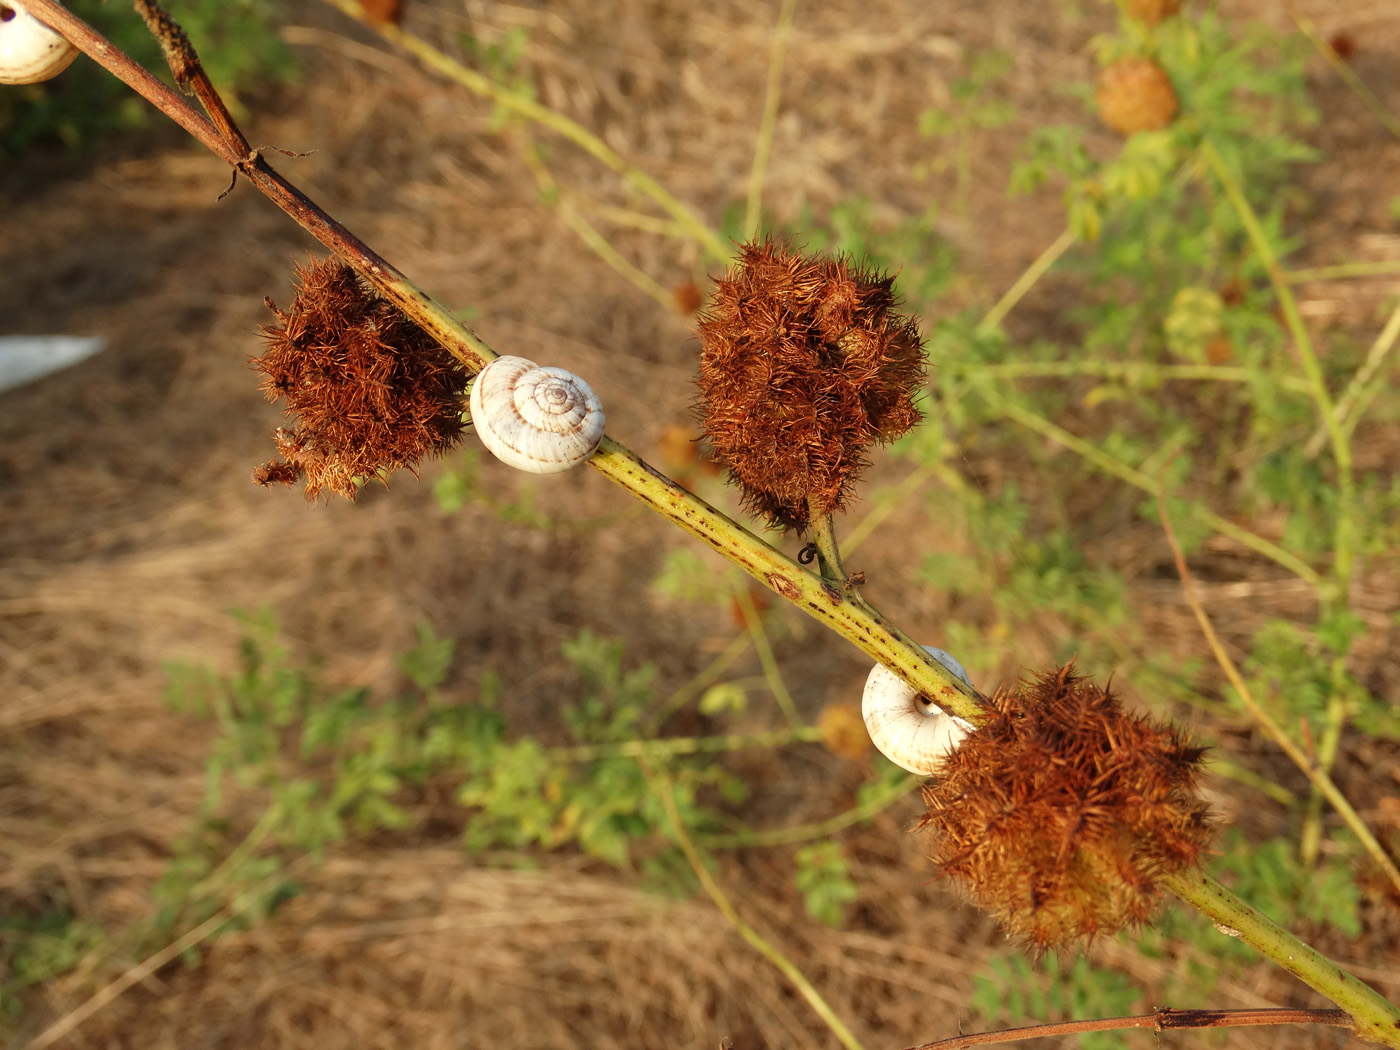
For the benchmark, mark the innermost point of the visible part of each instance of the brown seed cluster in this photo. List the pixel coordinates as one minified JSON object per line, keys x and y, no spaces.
{"x":1134,"y":94}
{"x":1060,"y":814}
{"x":370,"y":391}
{"x":804,"y":365}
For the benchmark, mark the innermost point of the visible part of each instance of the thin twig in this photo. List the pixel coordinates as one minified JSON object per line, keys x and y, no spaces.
{"x":753,"y":215}
{"x":524,"y":106}
{"x":764,"y":947}
{"x":772,"y":673}
{"x":875,"y":803}
{"x":1026,"y":281}
{"x":459,"y":340}
{"x":138,"y":973}
{"x":1343,"y":70}
{"x":1352,"y":403}
{"x":551,"y":192}
{"x":1160,"y":1021}
{"x":1101,"y":459}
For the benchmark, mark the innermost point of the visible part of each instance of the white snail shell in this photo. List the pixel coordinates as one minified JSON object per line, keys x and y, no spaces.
{"x":29,"y":50}
{"x":540,"y":420}
{"x":909,"y":730}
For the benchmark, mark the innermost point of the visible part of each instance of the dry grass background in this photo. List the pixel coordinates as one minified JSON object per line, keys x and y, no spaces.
{"x":128,"y":525}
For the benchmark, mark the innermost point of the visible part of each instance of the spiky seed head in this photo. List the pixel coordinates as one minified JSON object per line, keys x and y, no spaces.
{"x":805,"y":363}
{"x":1134,"y":94}
{"x":1061,"y":813}
{"x":369,"y":391}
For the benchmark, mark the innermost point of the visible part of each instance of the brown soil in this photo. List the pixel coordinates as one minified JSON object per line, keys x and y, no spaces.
{"x":129,"y":526}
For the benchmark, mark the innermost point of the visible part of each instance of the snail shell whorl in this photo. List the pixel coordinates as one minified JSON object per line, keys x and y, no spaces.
{"x":540,"y":420}
{"x":29,"y":50}
{"x":909,"y":730}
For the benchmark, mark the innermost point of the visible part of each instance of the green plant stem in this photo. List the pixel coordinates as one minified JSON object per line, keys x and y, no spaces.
{"x":878,"y":802}
{"x":1153,"y":487}
{"x":1322,"y":783}
{"x":1341,"y":445}
{"x":1360,"y":390}
{"x":700,"y":682}
{"x":1165,"y":1019}
{"x":1344,"y":527}
{"x":1375,"y":1018}
{"x":1246,"y":776}
{"x":1133,"y":371}
{"x":684,"y":745}
{"x":1380,"y":268}
{"x":524,"y":106}
{"x":828,"y":553}
{"x":772,"y":673}
{"x":601,"y":247}
{"x":753,"y":214}
{"x":1342,"y":69}
{"x":756,"y":940}
{"x":1026,"y":282}
{"x":143,"y":970}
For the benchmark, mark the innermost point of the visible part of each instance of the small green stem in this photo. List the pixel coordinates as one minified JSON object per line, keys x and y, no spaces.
{"x":684,"y":745}
{"x":756,"y":940}
{"x":1341,"y":446}
{"x":753,"y":215}
{"x":600,"y":245}
{"x":700,"y":682}
{"x":1026,"y":282}
{"x":772,"y":673}
{"x":1360,"y":390}
{"x":1376,"y":1019}
{"x":1133,"y":371}
{"x":876,"y":803}
{"x":1380,"y":268}
{"x":524,"y":106}
{"x":1344,"y":527}
{"x":828,"y":553}
{"x":1151,"y":485}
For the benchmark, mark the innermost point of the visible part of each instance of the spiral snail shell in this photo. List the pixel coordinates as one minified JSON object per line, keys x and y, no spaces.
{"x":907,"y":728}
{"x":29,"y":50}
{"x":540,"y":420}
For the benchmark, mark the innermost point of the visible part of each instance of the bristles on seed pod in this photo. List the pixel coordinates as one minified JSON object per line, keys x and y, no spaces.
{"x":804,"y":365}
{"x":1060,"y":813}
{"x":369,"y":390}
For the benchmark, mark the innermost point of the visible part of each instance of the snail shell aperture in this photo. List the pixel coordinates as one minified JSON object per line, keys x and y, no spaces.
{"x":29,"y":50}
{"x":540,"y":420}
{"x":908,"y":729}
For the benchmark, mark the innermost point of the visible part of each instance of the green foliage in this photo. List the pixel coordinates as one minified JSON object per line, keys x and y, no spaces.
{"x":334,"y":764}
{"x":1013,"y":990}
{"x":1272,"y":878}
{"x":501,"y":61}
{"x":236,"y":41}
{"x":823,"y":877}
{"x":970,"y":109}
{"x":38,"y":949}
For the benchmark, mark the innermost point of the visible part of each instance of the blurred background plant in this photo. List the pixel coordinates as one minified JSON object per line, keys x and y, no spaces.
{"x":1175,"y":366}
